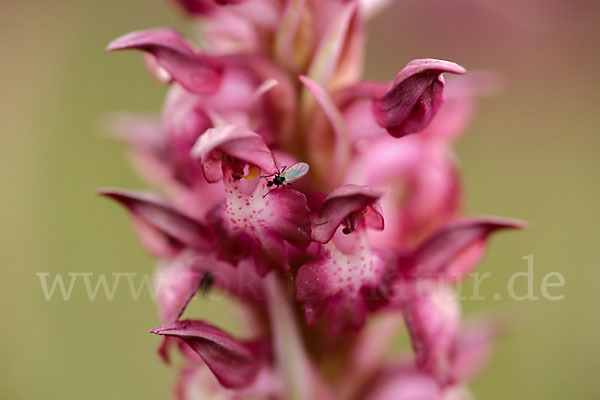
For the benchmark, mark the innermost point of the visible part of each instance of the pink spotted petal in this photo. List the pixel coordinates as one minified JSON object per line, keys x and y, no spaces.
{"x":234,"y":363}
{"x":236,"y":142}
{"x":266,"y":222}
{"x":162,"y":229}
{"x":342,"y":283}
{"x":342,"y":203}
{"x":414,"y":96}
{"x":456,"y":248}
{"x":197,"y":73}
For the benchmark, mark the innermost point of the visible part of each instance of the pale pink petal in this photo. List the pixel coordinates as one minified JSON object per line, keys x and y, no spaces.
{"x":330,"y":49}
{"x":403,"y":382}
{"x":176,"y":282}
{"x":341,"y":147}
{"x":472,"y":350}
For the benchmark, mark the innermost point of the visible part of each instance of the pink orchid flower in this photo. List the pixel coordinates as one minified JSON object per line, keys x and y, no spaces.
{"x":291,"y":185}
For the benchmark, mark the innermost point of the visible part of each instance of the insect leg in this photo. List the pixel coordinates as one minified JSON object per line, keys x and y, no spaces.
{"x":270,"y":191}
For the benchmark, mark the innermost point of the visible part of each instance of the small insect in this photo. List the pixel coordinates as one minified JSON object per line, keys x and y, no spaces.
{"x":206,"y":282}
{"x":286,"y":176}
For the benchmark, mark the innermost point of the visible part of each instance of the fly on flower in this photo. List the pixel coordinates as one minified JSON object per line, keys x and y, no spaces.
{"x":286,"y":176}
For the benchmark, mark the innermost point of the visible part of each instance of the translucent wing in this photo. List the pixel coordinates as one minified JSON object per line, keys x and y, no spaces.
{"x":295,"y":172}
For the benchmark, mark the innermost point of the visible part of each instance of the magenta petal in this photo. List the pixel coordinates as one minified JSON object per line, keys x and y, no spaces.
{"x":234,"y":363}
{"x":236,"y":142}
{"x":414,"y":96}
{"x":457,"y":247}
{"x":341,"y":204}
{"x":197,"y":7}
{"x":195,"y":72}
{"x":163,"y":229}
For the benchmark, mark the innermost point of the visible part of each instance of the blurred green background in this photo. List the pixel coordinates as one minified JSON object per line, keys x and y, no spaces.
{"x":532,"y":153}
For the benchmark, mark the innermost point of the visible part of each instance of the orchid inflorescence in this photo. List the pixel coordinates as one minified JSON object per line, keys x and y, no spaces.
{"x":324,"y":271}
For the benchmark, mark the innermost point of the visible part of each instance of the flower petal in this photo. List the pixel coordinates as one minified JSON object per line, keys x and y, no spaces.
{"x":342,"y":203}
{"x":414,"y":96}
{"x":403,"y":382}
{"x":266,"y":222}
{"x":195,"y":72}
{"x":341,"y":147}
{"x":432,"y":316}
{"x":330,"y":49}
{"x":454,"y":250}
{"x":235,"y":364}
{"x":176,"y":284}
{"x":293,"y":39}
{"x":184,"y":120}
{"x":236,"y":142}
{"x":162,"y":229}
{"x":345,"y":284}
{"x":148,"y":148}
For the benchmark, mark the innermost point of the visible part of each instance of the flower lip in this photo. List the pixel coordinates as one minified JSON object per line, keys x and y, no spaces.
{"x":347,"y":205}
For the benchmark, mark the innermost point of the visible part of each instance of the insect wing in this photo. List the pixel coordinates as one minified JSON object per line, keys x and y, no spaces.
{"x":295,"y":172}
